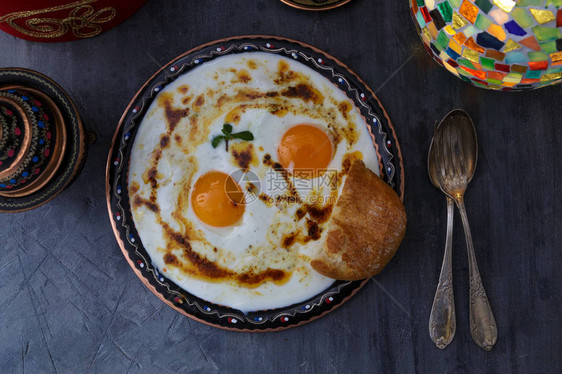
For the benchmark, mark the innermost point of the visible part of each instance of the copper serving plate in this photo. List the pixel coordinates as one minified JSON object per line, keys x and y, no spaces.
{"x":118,"y":204}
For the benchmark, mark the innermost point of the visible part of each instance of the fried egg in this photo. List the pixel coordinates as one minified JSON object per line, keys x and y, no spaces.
{"x":234,"y":172}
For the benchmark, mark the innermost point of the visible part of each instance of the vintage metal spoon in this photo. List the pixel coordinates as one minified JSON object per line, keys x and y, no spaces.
{"x":456,"y":153}
{"x":442,"y":322}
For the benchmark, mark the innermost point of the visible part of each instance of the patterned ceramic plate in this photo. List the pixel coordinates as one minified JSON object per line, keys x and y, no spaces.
{"x":76,"y":147}
{"x":382,"y":133}
{"x":315,"y":4}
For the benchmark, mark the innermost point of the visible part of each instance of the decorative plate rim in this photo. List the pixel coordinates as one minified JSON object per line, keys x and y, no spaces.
{"x":118,"y":162}
{"x":75,"y":154}
{"x":299,"y":5}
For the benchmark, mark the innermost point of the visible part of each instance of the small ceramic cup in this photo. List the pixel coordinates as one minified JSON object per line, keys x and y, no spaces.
{"x":32,"y":140}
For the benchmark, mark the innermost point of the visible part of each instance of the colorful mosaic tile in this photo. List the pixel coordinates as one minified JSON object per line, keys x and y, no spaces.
{"x":497,"y":44}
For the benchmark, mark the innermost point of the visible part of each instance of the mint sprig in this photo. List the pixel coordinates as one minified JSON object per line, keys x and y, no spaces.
{"x":228,"y":135}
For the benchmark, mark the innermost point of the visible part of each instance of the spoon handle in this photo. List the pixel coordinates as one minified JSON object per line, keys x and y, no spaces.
{"x":442,"y":322}
{"x":482,"y":323}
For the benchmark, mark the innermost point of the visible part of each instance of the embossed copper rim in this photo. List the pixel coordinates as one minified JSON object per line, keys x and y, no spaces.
{"x":26,"y":142}
{"x":75,"y":155}
{"x":58,"y":150}
{"x":138,"y":267}
{"x":310,"y":4}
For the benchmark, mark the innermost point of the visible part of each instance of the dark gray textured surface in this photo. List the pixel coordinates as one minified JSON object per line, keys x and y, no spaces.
{"x":70,"y":303}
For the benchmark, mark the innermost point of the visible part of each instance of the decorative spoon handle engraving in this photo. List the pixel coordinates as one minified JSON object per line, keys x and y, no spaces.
{"x":442,"y":323}
{"x":482,"y":322}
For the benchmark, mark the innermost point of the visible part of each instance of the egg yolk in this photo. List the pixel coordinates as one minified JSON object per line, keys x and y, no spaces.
{"x":305,"y":150}
{"x":217,"y":199}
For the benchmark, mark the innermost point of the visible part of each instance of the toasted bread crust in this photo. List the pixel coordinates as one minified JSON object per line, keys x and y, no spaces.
{"x":367,"y":225}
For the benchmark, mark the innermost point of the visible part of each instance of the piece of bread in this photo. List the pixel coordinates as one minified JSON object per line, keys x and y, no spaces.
{"x":367,"y":225}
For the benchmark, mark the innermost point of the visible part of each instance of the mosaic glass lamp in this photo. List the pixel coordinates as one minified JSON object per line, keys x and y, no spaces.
{"x":496,"y":44}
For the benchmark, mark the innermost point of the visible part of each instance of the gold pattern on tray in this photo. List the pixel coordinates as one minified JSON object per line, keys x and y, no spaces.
{"x":83,"y":20}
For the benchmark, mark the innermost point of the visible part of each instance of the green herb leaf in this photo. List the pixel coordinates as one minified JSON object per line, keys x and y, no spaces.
{"x":216,"y":140}
{"x":226,"y":129}
{"x":244,"y":135}
{"x":228,"y":135}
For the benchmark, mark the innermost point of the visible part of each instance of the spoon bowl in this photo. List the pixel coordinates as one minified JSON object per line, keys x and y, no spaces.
{"x":456,"y":153}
